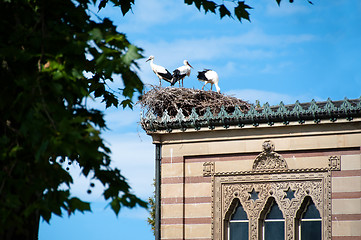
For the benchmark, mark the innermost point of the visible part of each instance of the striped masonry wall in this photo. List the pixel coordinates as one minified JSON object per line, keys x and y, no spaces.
{"x":186,"y":194}
{"x":186,"y":200}
{"x":346,"y":199}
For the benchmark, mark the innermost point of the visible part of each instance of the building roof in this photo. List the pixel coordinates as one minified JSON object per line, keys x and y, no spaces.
{"x":299,"y":112}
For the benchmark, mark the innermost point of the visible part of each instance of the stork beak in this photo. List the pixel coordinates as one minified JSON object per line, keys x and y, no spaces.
{"x":189,"y":65}
{"x":147,"y":60}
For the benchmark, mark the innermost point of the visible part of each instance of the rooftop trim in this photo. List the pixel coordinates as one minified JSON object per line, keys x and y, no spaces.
{"x":298,"y":112}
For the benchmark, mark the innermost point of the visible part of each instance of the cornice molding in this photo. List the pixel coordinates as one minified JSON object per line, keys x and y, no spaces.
{"x":299,"y":112}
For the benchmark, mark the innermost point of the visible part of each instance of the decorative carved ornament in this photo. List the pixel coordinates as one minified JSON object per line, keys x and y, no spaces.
{"x":288,"y":190}
{"x":208,"y":168}
{"x":270,"y":179}
{"x":269,"y":159}
{"x":213,"y":117}
{"x":335,"y":163}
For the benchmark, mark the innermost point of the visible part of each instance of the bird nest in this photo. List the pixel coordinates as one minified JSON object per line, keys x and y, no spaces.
{"x":170,"y":99}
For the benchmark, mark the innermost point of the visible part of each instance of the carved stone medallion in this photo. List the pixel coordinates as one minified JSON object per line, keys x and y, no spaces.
{"x":268,"y":159}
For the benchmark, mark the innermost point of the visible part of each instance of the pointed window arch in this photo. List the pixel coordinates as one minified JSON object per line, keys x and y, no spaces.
{"x":272,"y":222}
{"x":309,"y":221}
{"x":238,"y":223}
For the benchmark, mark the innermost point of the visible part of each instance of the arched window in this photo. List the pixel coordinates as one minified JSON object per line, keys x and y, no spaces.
{"x":273,"y":223}
{"x":309,"y":221}
{"x":238,"y":224}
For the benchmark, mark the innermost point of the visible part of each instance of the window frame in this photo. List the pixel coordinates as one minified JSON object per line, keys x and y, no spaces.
{"x":303,"y":208}
{"x":235,"y":203}
{"x":226,"y":188}
{"x":263,"y":217}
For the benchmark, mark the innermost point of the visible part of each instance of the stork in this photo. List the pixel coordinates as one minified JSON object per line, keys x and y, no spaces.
{"x":160,"y":71}
{"x":181,"y":72}
{"x":209,"y":76}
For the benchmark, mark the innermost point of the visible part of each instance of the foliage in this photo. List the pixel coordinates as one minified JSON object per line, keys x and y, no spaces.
{"x":152,"y":206}
{"x":240,"y":8}
{"x":53,"y":58}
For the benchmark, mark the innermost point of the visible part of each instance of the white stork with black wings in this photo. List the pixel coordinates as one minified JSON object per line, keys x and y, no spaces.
{"x":209,"y":76}
{"x":160,"y":71}
{"x":181,"y":72}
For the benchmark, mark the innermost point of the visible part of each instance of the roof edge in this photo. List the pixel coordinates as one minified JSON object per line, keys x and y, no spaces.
{"x":298,"y":112}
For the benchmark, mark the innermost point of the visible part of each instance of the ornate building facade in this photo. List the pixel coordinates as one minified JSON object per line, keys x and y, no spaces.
{"x":281,"y":172}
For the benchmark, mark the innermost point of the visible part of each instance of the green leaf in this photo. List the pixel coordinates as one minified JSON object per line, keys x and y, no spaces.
{"x":131,"y":55}
{"x":125,"y":8}
{"x":189,"y":2}
{"x":241,"y":11}
{"x":96,"y":34}
{"x":14,"y":150}
{"x":102,"y":4}
{"x":125,"y":5}
{"x":100,"y":91}
{"x":76,"y":204}
{"x":41,"y":150}
{"x":224,"y":11}
{"x":198,"y":4}
{"x":115,"y":205}
{"x":209,"y":6}
{"x":110,"y":100}
{"x":127,"y":103}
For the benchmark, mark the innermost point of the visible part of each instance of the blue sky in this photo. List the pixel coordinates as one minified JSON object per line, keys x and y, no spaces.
{"x":294,"y":52}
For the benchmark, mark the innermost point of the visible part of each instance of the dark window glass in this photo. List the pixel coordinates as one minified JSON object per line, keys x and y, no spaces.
{"x":311,"y":225}
{"x":238,"y":225}
{"x":311,"y":212}
{"x":238,"y":230}
{"x":311,"y":230}
{"x":274,"y":224}
{"x":274,"y":230}
{"x":239,"y":214}
{"x":275,"y":212}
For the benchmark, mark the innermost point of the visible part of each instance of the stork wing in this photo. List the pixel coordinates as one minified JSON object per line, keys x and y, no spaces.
{"x":166,"y":75}
{"x":202,"y":75}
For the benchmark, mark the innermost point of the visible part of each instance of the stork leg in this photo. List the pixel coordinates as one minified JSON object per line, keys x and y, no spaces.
{"x":182,"y":82}
{"x":211,"y":86}
{"x":160,"y":82}
{"x":204,"y":86}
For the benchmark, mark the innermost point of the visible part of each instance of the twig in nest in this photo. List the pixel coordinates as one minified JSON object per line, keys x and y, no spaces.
{"x":160,"y":99}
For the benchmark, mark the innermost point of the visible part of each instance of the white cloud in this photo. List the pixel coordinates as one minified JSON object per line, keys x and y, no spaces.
{"x":119,"y":118}
{"x":133,"y":153}
{"x":229,"y":55}
{"x":146,"y":14}
{"x":252,"y":45}
{"x":276,"y":67}
{"x":155,"y":12}
{"x":134,"y":213}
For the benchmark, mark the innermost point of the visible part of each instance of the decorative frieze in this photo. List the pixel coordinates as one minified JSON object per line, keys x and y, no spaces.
{"x":298,"y":112}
